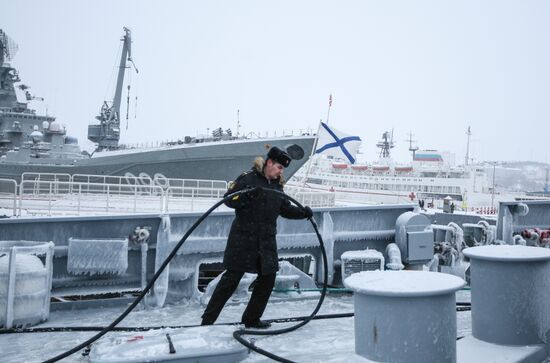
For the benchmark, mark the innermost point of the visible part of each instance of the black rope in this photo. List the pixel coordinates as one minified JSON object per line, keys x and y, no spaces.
{"x":140,"y":297}
{"x":238,"y":334}
{"x":63,"y":329}
{"x":149,"y":285}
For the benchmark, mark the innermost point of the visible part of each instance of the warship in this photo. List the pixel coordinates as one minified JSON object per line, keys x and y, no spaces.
{"x":34,"y":143}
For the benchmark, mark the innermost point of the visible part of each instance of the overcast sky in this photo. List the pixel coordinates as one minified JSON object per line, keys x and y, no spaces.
{"x":427,"y":67}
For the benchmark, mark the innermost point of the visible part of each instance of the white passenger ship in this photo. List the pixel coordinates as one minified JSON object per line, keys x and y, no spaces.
{"x":431,"y":176}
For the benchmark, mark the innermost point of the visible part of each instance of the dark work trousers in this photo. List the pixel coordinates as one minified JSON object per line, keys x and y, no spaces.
{"x":227,"y":285}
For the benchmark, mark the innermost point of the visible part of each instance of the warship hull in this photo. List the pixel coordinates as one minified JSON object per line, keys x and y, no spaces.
{"x":222,"y":160}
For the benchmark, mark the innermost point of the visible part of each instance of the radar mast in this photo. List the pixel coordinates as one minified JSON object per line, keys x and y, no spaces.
{"x":412,"y":147}
{"x":386,"y":144}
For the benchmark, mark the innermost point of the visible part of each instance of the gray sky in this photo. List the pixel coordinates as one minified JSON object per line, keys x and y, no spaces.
{"x":430,"y":67}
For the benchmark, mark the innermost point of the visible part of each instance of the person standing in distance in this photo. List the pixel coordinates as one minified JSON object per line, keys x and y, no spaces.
{"x":251,"y":245}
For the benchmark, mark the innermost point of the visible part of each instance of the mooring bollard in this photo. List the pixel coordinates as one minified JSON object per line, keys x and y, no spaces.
{"x":405,"y":316}
{"x":510,"y":293}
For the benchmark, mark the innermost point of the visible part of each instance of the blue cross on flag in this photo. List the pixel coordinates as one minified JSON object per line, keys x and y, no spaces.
{"x":336,"y":143}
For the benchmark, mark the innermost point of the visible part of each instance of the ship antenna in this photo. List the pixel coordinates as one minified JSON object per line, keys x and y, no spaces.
{"x":238,"y":122}
{"x":8,"y":48}
{"x":546,"y":190}
{"x":386,"y":144}
{"x":467,"y":157}
{"x":412,"y":148}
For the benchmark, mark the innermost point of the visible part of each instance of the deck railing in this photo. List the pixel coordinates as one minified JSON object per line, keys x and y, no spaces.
{"x":63,"y":194}
{"x":49,"y":194}
{"x":8,"y":193}
{"x":312,"y":198}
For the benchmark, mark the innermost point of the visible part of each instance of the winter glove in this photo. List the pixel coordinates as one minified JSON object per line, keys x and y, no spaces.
{"x":254,"y":193}
{"x":308,"y":213}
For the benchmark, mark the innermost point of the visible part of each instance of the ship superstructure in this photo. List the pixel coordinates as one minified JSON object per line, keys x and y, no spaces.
{"x":25,"y":136}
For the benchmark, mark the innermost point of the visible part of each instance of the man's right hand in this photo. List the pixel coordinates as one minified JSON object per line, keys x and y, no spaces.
{"x":308,"y":213}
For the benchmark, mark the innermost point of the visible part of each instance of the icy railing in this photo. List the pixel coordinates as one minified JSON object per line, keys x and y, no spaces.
{"x":311,"y":198}
{"x":8,"y":194}
{"x":143,"y":179}
{"x":49,"y":194}
{"x":55,"y":197}
{"x":59,"y":177}
{"x":46,"y":193}
{"x":188,"y":198}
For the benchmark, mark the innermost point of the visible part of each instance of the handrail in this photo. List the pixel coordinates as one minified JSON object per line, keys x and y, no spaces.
{"x":312,"y":198}
{"x":205,"y":183}
{"x":189,"y":194}
{"x":49,"y":193}
{"x":11,"y":181}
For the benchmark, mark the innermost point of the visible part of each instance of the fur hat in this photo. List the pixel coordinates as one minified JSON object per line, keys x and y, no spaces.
{"x":279,"y":156}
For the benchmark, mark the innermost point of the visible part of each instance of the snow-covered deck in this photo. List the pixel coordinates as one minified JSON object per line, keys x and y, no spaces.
{"x":330,"y":340}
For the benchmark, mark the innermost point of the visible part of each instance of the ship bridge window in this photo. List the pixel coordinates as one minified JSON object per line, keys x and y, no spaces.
{"x":69,"y":140}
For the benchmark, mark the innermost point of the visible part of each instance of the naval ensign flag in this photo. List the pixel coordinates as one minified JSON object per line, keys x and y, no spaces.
{"x":336,"y":143}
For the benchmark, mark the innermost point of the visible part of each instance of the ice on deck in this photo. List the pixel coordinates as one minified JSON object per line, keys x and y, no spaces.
{"x":97,"y":256}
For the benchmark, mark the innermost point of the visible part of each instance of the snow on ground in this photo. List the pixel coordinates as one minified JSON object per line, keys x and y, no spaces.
{"x":318,"y":341}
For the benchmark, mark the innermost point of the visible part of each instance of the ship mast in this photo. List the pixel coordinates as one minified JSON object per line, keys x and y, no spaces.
{"x":386,"y":144}
{"x":546,"y":190}
{"x":8,"y":75}
{"x":107,"y":133}
{"x":467,"y":157}
{"x":8,"y":48}
{"x":412,"y":148}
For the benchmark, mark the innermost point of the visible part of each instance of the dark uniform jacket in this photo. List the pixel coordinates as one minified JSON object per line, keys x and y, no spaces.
{"x":252,"y":246}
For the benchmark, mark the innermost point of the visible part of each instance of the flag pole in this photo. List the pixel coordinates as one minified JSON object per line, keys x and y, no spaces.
{"x":329,"y":106}
{"x":316,"y":142}
{"x":311,"y":156}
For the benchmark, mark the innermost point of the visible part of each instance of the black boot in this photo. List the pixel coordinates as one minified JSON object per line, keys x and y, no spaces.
{"x":258,"y":324}
{"x":227,"y":285}
{"x":258,"y":301}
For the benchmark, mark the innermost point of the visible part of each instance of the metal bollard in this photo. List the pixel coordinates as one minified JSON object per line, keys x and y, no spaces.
{"x":405,"y":316}
{"x":510,"y":288}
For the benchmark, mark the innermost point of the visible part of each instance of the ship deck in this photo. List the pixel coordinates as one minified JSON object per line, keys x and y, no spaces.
{"x":318,"y":341}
